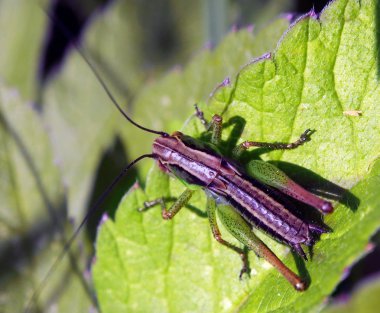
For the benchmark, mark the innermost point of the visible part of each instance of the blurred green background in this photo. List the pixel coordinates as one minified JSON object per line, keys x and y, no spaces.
{"x":61,"y":140}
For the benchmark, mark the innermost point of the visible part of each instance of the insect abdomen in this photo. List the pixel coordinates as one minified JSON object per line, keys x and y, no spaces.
{"x":261,"y":210}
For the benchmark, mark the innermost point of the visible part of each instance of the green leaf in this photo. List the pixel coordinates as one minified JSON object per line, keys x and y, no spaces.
{"x":22,"y":23}
{"x":80,"y":124}
{"x":200,"y":77}
{"x":32,"y":212}
{"x":321,"y":68}
{"x":81,"y":119}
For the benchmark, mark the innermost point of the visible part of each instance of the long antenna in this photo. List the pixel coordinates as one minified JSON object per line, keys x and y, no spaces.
{"x":68,"y":243}
{"x":105,"y":87}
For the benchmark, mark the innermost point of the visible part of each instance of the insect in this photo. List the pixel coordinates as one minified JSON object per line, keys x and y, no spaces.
{"x":241,"y":196}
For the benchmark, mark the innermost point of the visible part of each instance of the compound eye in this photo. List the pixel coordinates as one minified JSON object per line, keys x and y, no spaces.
{"x":177,"y":134}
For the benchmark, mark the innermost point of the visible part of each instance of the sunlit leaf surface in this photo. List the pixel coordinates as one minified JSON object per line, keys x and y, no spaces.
{"x":324,"y":65}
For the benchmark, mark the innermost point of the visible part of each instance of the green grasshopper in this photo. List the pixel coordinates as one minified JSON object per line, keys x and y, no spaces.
{"x":241,"y":196}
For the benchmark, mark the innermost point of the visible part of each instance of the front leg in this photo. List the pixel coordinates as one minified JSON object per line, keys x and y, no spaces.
{"x":168,"y":214}
{"x":215,"y":125}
